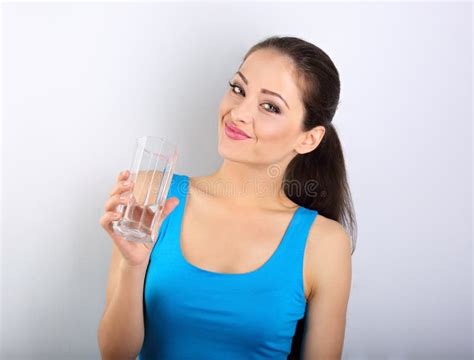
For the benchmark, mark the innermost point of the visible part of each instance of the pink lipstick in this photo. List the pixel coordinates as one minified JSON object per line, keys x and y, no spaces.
{"x":234,"y":133}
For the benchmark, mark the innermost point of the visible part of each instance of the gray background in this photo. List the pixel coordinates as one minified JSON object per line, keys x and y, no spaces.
{"x":81,"y":81}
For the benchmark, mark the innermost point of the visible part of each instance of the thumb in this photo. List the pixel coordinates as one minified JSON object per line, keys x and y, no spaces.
{"x":170,"y":204}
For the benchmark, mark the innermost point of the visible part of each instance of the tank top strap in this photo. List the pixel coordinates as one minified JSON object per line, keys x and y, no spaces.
{"x":178,"y":189}
{"x":294,"y":243}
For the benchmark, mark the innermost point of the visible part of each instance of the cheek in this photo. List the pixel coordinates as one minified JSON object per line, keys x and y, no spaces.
{"x":274,"y":140}
{"x":227,"y":101}
{"x":222,"y":107}
{"x":274,"y":131}
{"x":225,"y":107}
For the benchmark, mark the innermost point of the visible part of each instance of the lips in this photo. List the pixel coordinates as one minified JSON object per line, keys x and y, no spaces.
{"x":236,"y":130}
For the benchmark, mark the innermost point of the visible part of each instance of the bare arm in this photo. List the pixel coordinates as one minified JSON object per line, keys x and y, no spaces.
{"x":327,"y":306}
{"x":121,"y":329}
{"x":121,"y":332}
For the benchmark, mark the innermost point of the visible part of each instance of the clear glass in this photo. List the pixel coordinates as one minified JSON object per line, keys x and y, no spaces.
{"x":151,"y":172}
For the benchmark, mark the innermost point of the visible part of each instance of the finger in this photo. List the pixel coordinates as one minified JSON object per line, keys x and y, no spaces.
{"x":123,"y":175}
{"x":114,"y":201}
{"x":170,"y":204}
{"x":121,"y":187}
{"x":107,"y":219}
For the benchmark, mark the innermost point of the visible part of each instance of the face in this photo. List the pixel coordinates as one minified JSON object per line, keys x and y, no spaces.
{"x":264,"y":101}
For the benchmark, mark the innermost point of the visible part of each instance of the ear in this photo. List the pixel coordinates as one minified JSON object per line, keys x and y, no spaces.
{"x":309,"y":140}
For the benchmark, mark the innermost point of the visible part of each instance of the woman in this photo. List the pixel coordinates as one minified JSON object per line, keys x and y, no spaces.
{"x":253,"y":260}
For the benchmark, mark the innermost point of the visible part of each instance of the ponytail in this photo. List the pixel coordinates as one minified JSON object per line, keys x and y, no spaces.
{"x":321,"y":177}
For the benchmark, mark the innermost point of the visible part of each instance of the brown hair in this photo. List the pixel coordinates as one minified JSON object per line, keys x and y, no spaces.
{"x":319,"y":82}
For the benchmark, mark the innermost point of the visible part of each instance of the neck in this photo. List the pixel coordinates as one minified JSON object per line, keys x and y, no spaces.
{"x":249,"y":186}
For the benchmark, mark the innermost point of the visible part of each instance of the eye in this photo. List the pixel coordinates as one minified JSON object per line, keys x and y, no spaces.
{"x":235,"y":86}
{"x":276,"y":109}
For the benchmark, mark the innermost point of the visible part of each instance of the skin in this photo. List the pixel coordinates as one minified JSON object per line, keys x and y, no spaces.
{"x":222,"y":227}
{"x":234,"y":219}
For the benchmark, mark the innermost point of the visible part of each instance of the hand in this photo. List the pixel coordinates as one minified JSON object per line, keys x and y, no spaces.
{"x":133,"y":253}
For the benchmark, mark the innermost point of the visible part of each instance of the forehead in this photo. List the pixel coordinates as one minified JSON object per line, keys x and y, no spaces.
{"x":271,"y":70}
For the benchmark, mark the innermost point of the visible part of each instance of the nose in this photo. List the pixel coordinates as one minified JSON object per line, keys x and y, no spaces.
{"x":244,"y":112}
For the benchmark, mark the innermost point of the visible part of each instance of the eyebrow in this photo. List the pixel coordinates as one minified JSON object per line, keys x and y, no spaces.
{"x":265,"y":91}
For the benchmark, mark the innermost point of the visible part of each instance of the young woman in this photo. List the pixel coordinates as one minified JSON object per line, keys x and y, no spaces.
{"x":252,"y":261}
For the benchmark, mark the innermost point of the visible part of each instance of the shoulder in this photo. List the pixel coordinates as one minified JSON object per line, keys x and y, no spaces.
{"x":327,"y":232}
{"x":328,"y":252}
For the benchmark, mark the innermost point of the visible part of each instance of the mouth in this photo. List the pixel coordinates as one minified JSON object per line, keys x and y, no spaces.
{"x":235,"y":133}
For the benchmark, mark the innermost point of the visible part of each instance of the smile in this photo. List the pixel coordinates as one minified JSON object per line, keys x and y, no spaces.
{"x":233,"y":134}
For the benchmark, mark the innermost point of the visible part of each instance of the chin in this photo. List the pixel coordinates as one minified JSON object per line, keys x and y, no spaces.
{"x":231,"y":154}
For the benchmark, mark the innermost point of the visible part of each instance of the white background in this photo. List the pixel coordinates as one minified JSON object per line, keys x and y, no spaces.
{"x":81,"y":81}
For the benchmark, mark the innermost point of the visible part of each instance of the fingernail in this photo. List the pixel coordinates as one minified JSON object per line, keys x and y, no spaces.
{"x":126,"y":183}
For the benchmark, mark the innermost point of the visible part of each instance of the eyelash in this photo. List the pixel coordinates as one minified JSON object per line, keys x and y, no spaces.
{"x":233,"y":86}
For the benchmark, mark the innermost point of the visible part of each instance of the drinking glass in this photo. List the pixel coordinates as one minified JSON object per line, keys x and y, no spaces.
{"x":151,"y":172}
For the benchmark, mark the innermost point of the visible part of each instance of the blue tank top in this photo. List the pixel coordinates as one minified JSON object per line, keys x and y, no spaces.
{"x":192,"y":313}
